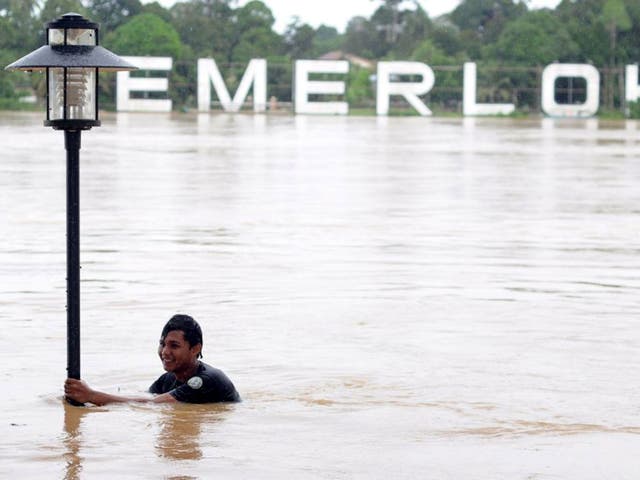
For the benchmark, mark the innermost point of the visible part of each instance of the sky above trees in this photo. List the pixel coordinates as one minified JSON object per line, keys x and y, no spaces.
{"x":337,"y":13}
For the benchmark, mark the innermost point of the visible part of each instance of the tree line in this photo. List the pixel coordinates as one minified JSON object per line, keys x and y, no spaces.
{"x":510,"y":42}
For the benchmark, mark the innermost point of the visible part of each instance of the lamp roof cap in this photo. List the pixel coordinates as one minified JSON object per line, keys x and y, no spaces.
{"x":72,"y":20}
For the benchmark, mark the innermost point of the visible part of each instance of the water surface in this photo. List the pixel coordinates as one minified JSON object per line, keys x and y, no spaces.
{"x":393,"y":298}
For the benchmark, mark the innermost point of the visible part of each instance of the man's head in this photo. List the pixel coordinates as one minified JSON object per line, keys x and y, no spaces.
{"x":180,"y":344}
{"x":189,"y":327}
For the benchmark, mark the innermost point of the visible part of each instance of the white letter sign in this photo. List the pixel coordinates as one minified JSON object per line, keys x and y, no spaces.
{"x":632,"y":92}
{"x":470,"y":107}
{"x":256,"y":74}
{"x":127,"y":84}
{"x":570,"y":70}
{"x":305,"y":87}
{"x":409,"y":90}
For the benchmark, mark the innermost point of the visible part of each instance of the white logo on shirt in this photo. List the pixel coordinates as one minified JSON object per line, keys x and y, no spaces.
{"x":195,"y":382}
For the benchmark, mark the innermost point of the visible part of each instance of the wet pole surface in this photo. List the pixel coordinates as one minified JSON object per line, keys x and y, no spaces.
{"x":72,"y":146}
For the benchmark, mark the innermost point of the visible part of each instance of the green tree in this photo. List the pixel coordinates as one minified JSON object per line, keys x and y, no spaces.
{"x":482,"y":21}
{"x":628,"y":47}
{"x":429,"y":53}
{"x":206,"y":26}
{"x":447,"y":38}
{"x":113,"y":13}
{"x":146,"y":34}
{"x":8,"y":34}
{"x":582,"y":20}
{"x":252,"y":35}
{"x":326,"y":39}
{"x":53,"y":9}
{"x":389,"y":19}
{"x":390,"y":32}
{"x":158,"y":10}
{"x":616,"y":19}
{"x":535,"y":38}
{"x":416,"y":26}
{"x":360,"y":90}
{"x":298,"y":39}
{"x":361,"y":38}
{"x":19,"y":25}
{"x":19,"y":10}
{"x":8,"y":80}
{"x":20,"y":32}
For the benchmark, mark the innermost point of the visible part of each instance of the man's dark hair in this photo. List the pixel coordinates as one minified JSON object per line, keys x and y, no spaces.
{"x":188,"y":326}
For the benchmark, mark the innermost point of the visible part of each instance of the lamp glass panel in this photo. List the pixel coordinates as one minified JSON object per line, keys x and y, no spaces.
{"x":79,"y":102}
{"x":56,"y":36}
{"x":55,"y":94}
{"x":81,"y":36}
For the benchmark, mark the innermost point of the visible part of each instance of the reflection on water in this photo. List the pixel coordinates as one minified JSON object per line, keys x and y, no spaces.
{"x":178,"y":436}
{"x":180,"y":426}
{"x":72,"y":440}
{"x":391,"y":296}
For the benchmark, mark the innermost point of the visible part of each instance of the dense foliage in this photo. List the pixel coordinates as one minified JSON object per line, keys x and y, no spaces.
{"x":509,"y":41}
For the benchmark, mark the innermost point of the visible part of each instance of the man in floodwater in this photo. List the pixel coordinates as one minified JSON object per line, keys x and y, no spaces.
{"x":187,"y":379}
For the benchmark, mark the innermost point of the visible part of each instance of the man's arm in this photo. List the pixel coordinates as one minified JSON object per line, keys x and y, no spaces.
{"x":81,"y":392}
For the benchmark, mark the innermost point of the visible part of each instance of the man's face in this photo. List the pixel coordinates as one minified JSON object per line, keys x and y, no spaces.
{"x":176,"y":354}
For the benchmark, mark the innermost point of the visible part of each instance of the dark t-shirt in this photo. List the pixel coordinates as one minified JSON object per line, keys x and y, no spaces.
{"x":207,"y":385}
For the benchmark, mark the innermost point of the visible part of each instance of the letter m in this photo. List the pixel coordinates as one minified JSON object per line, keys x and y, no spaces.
{"x":209,"y":74}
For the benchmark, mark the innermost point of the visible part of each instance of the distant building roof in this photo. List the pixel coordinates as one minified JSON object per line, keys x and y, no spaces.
{"x":356,"y":60}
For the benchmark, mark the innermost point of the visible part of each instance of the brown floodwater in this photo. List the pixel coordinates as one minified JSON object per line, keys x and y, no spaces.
{"x":393,"y":298}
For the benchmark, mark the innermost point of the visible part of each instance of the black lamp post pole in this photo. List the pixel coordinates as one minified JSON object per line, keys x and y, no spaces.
{"x":72,"y":145}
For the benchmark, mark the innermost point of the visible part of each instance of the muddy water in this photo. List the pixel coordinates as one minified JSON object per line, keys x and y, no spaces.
{"x":393,"y":298}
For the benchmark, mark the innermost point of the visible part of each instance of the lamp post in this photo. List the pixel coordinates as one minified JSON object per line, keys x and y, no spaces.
{"x":72,"y":59}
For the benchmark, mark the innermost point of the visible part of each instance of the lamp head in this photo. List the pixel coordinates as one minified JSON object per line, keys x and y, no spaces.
{"x":71,"y":59}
